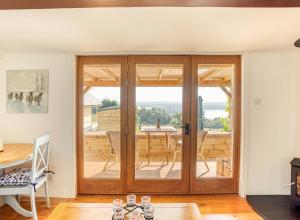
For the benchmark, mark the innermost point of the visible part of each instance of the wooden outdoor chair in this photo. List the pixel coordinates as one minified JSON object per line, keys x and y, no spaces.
{"x":200,"y":139}
{"x":26,"y":181}
{"x":114,"y":138}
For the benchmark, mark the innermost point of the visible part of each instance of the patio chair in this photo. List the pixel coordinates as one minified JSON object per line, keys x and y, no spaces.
{"x":176,"y":144}
{"x":200,"y":139}
{"x":25,"y":181}
{"x":114,"y":138}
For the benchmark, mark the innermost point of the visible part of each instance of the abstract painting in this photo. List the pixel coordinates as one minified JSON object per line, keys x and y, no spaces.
{"x":27,"y":91}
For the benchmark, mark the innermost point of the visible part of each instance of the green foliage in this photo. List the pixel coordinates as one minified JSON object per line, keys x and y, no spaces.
{"x":108,"y":103}
{"x":214,"y":123}
{"x":176,"y":119}
{"x":225,"y":123}
{"x":146,"y":116}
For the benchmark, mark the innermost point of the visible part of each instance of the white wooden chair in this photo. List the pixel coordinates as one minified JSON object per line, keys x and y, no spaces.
{"x":39,"y":175}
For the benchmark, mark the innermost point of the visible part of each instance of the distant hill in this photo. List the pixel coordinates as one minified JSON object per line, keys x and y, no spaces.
{"x":172,"y":107}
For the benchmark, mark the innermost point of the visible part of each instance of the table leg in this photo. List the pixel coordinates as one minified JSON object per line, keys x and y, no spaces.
{"x":1,"y":197}
{"x":13,"y":203}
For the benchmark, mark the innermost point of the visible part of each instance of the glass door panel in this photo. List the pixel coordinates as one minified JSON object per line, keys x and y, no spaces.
{"x":101,"y":135}
{"x":159,"y":142}
{"x":102,"y":121}
{"x":216,"y":97}
{"x":158,"y":121}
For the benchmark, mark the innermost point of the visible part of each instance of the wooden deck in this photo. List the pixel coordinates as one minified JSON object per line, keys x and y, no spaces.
{"x":213,"y":207}
{"x":156,"y":170}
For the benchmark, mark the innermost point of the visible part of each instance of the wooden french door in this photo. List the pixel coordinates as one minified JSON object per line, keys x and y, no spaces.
{"x":153,"y":167}
{"x":215,"y":156}
{"x":158,"y":124}
{"x":101,"y":124}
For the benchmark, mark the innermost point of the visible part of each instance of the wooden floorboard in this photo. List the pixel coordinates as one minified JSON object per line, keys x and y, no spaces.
{"x":212,"y":207}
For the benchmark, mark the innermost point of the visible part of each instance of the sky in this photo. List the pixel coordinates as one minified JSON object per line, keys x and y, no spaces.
{"x":159,"y":94}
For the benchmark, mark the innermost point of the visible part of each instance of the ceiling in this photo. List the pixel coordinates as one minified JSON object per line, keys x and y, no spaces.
{"x":149,"y":30}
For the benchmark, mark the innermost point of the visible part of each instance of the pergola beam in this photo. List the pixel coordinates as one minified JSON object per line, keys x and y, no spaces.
{"x":86,"y":89}
{"x":226,"y":91}
{"x":160,"y":74}
{"x":90,"y":76}
{"x":109,"y":74}
{"x":208,"y":74}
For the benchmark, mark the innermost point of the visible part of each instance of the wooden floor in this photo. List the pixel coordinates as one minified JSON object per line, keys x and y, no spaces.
{"x":212,"y":207}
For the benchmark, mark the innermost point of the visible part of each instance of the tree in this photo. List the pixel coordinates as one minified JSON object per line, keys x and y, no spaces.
{"x":109,"y":103}
{"x":176,"y":119}
{"x":148,"y":116}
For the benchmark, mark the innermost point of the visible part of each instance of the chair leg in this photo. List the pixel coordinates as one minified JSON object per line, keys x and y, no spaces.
{"x":205,"y":163}
{"x":33,"y":205}
{"x":107,"y":162}
{"x":18,"y":198}
{"x":47,"y":195}
{"x":174,"y":156}
{"x":167,"y":157}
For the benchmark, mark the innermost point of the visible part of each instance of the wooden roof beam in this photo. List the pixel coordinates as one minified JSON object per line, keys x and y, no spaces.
{"x":160,"y":74}
{"x":86,"y":89}
{"x":226,"y":91}
{"x":208,"y":74}
{"x":90,"y":76}
{"x":109,"y":74}
{"x":214,"y":83}
{"x":100,"y":83}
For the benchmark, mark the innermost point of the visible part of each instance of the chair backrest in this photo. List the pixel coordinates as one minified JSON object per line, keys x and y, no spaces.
{"x":115,"y":141}
{"x":40,"y":159}
{"x":200,"y":139}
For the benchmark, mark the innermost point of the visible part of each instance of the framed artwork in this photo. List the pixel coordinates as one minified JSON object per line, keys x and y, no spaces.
{"x":27,"y":91}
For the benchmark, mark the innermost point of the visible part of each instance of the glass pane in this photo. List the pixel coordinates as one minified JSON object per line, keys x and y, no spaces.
{"x":102,"y":121}
{"x":158,"y":121}
{"x":214,"y":133}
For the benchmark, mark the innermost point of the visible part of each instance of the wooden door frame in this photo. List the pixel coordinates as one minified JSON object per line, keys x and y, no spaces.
{"x":158,"y":185}
{"x":100,"y":186}
{"x":109,"y":186}
{"x":216,"y":185}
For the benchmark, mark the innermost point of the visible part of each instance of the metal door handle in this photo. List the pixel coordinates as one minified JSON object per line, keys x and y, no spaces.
{"x":186,"y":128}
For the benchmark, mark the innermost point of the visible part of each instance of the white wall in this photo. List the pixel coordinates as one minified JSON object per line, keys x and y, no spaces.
{"x":271,"y":120}
{"x":59,"y":122}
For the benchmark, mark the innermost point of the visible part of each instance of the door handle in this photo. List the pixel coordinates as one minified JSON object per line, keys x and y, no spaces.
{"x":186,"y":128}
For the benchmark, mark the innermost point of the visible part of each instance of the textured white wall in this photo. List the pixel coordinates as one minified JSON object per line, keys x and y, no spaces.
{"x":59,"y":122}
{"x":272,"y":116}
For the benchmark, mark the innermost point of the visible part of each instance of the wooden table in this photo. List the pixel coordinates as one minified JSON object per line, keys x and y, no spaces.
{"x":103,"y":211}
{"x":13,"y":155}
{"x":163,"y":129}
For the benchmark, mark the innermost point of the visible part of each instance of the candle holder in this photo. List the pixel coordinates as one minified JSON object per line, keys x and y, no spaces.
{"x":132,"y":209}
{"x":131,"y":200}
